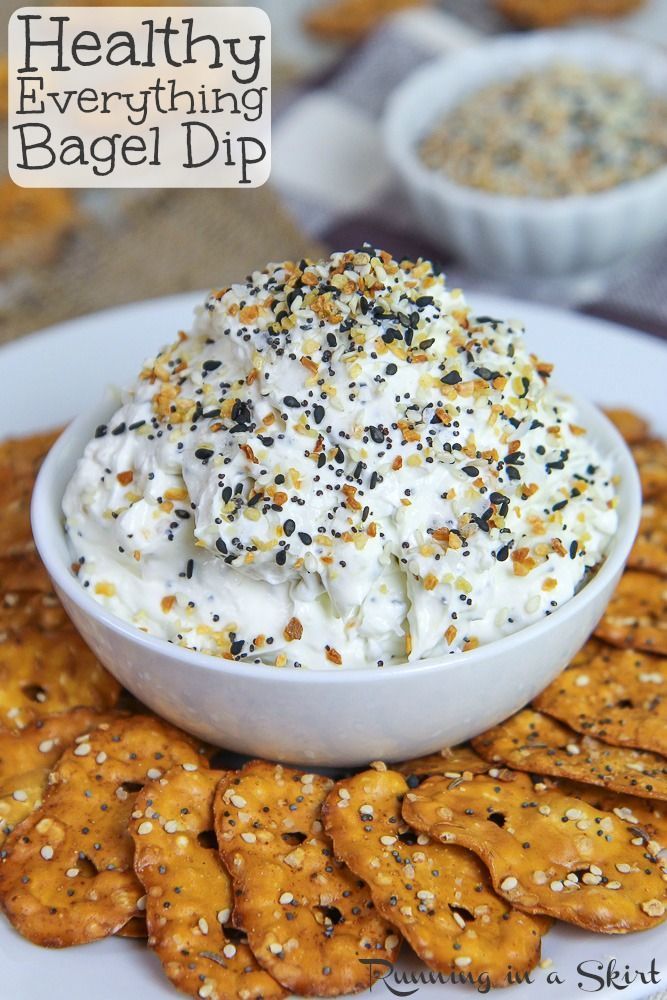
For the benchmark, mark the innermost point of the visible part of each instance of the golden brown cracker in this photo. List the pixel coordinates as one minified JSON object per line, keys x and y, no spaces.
{"x":619,"y":696}
{"x":30,"y":609}
{"x":22,"y":572}
{"x":650,"y":549}
{"x":27,"y":757}
{"x":42,"y":673}
{"x":310,"y":922}
{"x":351,"y":20}
{"x":645,"y":819}
{"x":538,"y":744}
{"x":438,"y":896}
{"x":24,"y":455}
{"x":630,"y":425}
{"x":636,"y":617}
{"x":453,"y":762}
{"x":15,"y":530}
{"x":4,"y":83}
{"x":188,"y":891}
{"x":546,"y":852}
{"x":68,"y":876}
{"x":550,"y":13}
{"x":651,"y":459}
{"x":33,"y":224}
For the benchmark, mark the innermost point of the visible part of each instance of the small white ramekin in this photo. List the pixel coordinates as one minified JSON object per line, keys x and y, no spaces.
{"x":575,"y":239}
{"x":331,"y":717}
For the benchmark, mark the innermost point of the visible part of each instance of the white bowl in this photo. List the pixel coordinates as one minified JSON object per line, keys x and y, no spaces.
{"x":570,"y":240}
{"x":333,"y":718}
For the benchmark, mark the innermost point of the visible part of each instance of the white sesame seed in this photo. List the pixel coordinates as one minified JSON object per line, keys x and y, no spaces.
{"x":583,"y":681}
{"x":275,"y":948}
{"x":19,"y":795}
{"x":190,"y":767}
{"x":391,"y":942}
{"x":594,"y":870}
{"x":589,"y":879}
{"x":249,"y":838}
{"x":224,"y":915}
{"x":47,"y":852}
{"x":574,"y":814}
{"x":82,"y":750}
{"x":153,"y":773}
{"x":462,"y":962}
{"x":540,"y":878}
{"x":141,"y":903}
{"x":202,"y":924}
{"x":366,"y":810}
{"x":545,"y":810}
{"x":72,"y":872}
{"x":509,"y":884}
{"x":423,"y":839}
{"x":459,"y":920}
{"x":171,"y":826}
{"x":614,"y":885}
{"x":573,"y":749}
{"x":387,"y":841}
{"x":144,"y":828}
{"x":285,"y":898}
{"x":624,"y":869}
{"x":101,"y":757}
{"x":238,"y":801}
{"x":229,"y":951}
{"x":343,"y":793}
{"x":425,"y":894}
{"x":46,"y":746}
{"x":205,"y":991}
{"x":557,"y":886}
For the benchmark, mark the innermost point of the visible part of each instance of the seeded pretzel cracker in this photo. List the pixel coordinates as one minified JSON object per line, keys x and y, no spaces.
{"x":646,"y":820}
{"x":309,"y":920}
{"x":438,"y":896}
{"x":651,"y":459}
{"x":27,"y":757}
{"x":46,"y":672}
{"x":67,"y":876}
{"x":548,"y":13}
{"x":546,"y":852}
{"x":350,"y":20}
{"x":650,"y":549}
{"x":451,"y":762}
{"x":636,"y":617}
{"x":30,"y":609}
{"x":188,"y":891}
{"x":620,"y":696}
{"x":19,"y":573}
{"x":633,"y":428}
{"x":535,"y":743}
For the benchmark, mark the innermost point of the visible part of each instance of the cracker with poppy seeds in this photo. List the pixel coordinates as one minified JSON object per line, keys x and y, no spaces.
{"x":538,"y":744}
{"x":453,"y":762}
{"x":15,"y":530}
{"x":620,"y":696}
{"x":631,"y":426}
{"x":42,"y":673}
{"x":23,"y":572}
{"x":438,"y":896}
{"x":650,"y":549}
{"x":30,"y":609}
{"x":350,"y":20}
{"x":636,"y":616}
{"x":189,"y":896}
{"x":651,"y":459}
{"x":26,"y":758}
{"x":24,"y":455}
{"x":547,"y":852}
{"x":645,"y":819}
{"x":310,"y":922}
{"x":67,"y":876}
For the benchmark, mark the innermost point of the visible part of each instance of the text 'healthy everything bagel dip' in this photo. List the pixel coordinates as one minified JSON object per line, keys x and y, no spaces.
{"x":341,"y":466}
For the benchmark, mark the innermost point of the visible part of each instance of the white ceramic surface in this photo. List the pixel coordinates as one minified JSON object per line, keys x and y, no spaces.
{"x":61,"y":370}
{"x":333,"y":717}
{"x":568,"y":241}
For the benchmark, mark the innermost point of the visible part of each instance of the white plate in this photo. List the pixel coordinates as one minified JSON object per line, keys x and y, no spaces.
{"x":51,"y":376}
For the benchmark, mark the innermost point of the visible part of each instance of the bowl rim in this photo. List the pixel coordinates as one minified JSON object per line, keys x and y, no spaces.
{"x":46,"y":517}
{"x":399,"y":143}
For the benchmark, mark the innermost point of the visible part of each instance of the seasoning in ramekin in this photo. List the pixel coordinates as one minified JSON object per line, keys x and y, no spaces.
{"x":548,"y":134}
